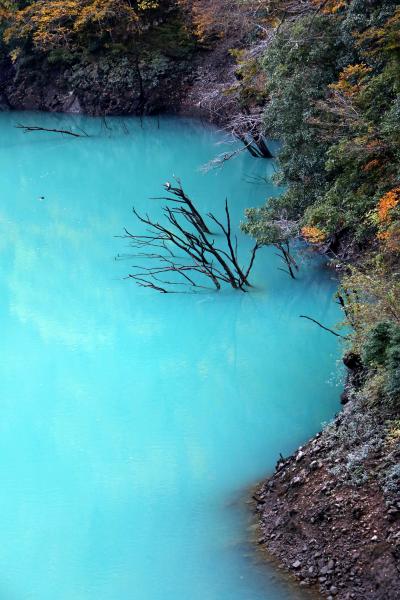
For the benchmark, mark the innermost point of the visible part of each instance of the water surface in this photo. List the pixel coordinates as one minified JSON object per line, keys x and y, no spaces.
{"x":132,"y":423}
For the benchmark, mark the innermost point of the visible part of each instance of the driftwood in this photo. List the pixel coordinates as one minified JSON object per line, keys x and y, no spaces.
{"x":29,"y":128}
{"x":185,"y":249}
{"x":255,"y":145}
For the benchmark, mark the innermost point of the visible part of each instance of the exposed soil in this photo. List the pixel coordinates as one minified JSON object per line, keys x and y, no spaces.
{"x":334,"y":531}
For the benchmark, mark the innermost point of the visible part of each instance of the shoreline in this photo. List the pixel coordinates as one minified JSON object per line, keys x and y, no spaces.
{"x":336,"y":535}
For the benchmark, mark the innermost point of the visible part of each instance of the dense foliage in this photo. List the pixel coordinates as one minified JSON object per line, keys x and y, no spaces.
{"x":332,"y":85}
{"x":63,"y":30}
{"x":47,"y":25}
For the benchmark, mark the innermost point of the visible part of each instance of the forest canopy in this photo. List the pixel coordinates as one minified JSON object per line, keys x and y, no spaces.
{"x":74,"y":25}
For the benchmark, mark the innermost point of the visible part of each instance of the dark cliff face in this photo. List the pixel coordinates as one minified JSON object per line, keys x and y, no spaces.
{"x":6,"y":75}
{"x":167,"y":68}
{"x":105,"y":86}
{"x":137,"y":71}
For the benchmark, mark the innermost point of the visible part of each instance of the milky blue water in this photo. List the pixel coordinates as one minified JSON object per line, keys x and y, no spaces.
{"x":133,"y":423}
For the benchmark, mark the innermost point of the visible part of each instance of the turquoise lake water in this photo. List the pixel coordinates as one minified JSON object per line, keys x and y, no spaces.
{"x":133,"y":423}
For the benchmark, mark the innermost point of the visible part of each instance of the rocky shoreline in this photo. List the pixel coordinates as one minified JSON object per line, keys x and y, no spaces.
{"x":330,"y":514}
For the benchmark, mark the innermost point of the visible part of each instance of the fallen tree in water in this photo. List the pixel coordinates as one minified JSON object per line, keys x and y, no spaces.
{"x":184,"y":252}
{"x":30,"y":128}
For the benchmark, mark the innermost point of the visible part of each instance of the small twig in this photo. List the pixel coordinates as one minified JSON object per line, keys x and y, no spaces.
{"x":345,"y":337}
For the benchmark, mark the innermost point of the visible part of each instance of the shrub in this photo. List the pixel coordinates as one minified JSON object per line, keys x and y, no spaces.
{"x":383,"y":349}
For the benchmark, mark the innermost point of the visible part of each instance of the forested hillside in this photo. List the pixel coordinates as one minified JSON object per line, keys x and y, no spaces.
{"x":332,"y":82}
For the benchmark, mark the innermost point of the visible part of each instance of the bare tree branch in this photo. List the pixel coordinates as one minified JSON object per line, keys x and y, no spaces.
{"x":185,"y":248}
{"x":29,"y":128}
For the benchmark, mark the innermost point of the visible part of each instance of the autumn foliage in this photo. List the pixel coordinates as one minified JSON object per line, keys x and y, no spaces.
{"x":387,"y":203}
{"x":313,"y":235}
{"x":351,"y":79}
{"x":71,"y":24}
{"x":389,"y":220}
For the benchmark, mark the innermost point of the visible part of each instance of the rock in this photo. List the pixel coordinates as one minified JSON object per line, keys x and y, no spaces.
{"x":296,"y":564}
{"x":314,"y":465}
{"x":352,"y":361}
{"x":333,"y":590}
{"x":393,"y":514}
{"x":297,"y":481}
{"x":344,"y":397}
{"x":4,"y":105}
{"x":72,"y":105}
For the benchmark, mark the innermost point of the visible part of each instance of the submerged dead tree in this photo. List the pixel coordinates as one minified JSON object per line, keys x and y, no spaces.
{"x":184,"y":252}
{"x":287,"y":257}
{"x":276,"y":231}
